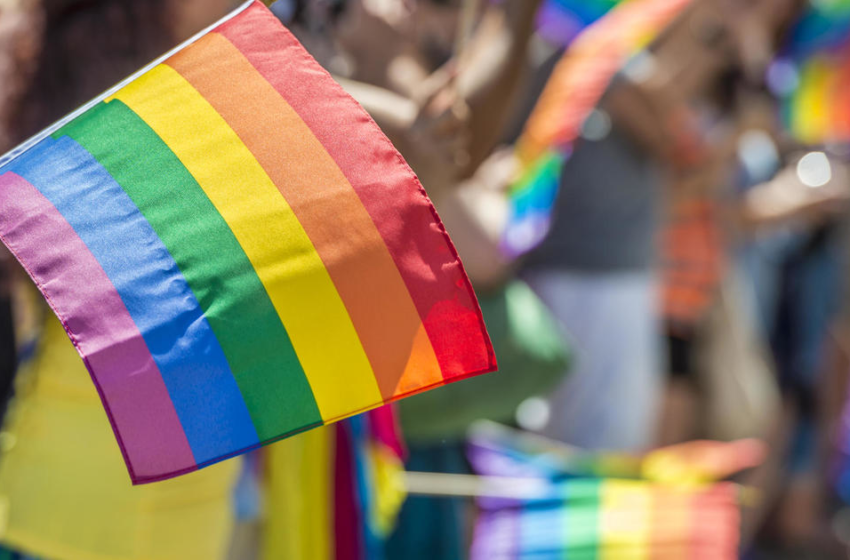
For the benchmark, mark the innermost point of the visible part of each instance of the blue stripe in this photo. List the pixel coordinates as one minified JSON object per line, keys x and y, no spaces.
{"x":193,"y":366}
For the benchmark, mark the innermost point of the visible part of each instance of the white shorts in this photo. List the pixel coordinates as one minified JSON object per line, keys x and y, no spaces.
{"x":611,"y":398}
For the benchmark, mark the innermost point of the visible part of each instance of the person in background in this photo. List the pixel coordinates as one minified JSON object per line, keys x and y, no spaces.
{"x":597,"y":268}
{"x":702,"y":219}
{"x":779,"y":245}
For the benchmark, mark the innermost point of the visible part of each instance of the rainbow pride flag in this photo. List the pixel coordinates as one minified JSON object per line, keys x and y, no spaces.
{"x":596,"y":515}
{"x":812,"y":75}
{"x":572,"y":92}
{"x":237,"y":252}
{"x":560,"y":21}
{"x":823,"y":26}
{"x":591,"y":518}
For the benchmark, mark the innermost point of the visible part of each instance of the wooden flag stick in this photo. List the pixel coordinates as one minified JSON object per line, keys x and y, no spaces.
{"x":472,"y":486}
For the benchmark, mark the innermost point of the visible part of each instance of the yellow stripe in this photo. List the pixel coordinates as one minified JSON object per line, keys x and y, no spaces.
{"x":626,"y":513}
{"x":298,"y":493}
{"x":264,"y":224}
{"x":811,"y":115}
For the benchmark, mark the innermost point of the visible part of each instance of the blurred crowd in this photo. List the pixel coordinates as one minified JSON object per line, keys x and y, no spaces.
{"x":690,"y":282}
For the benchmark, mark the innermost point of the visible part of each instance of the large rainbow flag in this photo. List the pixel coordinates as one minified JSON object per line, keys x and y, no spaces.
{"x":574,"y":89}
{"x":237,"y":252}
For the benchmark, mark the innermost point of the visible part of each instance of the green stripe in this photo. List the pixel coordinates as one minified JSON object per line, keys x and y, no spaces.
{"x":584,"y":500}
{"x":218,"y":271}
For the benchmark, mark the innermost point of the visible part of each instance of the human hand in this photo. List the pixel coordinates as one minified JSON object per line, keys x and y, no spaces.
{"x":812,"y":189}
{"x":438,"y":138}
{"x":442,"y":123}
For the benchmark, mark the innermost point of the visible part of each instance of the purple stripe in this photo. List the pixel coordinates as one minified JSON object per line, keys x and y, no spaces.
{"x":82,"y":296}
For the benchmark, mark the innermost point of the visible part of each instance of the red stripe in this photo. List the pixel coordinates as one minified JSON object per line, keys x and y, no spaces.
{"x":386,"y":186}
{"x":716,"y":523}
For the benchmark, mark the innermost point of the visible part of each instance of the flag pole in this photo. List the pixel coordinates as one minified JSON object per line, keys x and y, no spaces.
{"x":15,"y":152}
{"x":445,"y":485}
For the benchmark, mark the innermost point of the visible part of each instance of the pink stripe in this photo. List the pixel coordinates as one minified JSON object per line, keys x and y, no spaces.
{"x":82,"y":296}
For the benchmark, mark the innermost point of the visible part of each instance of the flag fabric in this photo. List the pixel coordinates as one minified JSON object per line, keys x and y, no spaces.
{"x":818,"y":110}
{"x":560,"y":21}
{"x":578,"y":511}
{"x":238,"y":253}
{"x":608,"y":518}
{"x":574,"y":89}
{"x":698,"y":462}
{"x":342,"y":486}
{"x":823,"y":26}
{"x":368,"y":485}
{"x":812,"y":75}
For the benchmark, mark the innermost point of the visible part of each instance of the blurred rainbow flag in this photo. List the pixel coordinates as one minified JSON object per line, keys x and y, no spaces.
{"x":575,"y":87}
{"x":812,"y":75}
{"x":609,"y":518}
{"x":341,"y":486}
{"x":598,"y":516}
{"x":237,"y":252}
{"x":368,"y":484}
{"x":560,"y":21}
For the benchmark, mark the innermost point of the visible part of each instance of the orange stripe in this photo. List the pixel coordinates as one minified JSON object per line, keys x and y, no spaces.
{"x":671,"y":522}
{"x":346,"y":239}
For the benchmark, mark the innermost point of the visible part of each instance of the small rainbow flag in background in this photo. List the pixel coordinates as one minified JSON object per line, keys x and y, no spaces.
{"x":823,"y":26}
{"x":341,"y":486}
{"x":237,"y":251}
{"x":812,"y":76}
{"x":574,"y":89}
{"x":589,"y":516}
